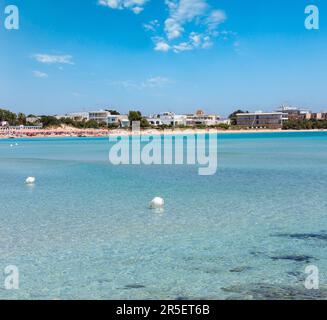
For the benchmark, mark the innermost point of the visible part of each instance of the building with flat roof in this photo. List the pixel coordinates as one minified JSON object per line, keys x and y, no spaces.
{"x":100,"y":116}
{"x":269,"y":120}
{"x":154,"y":120}
{"x":172,"y":119}
{"x":118,"y":120}
{"x":202,"y":119}
{"x":319,"y":116}
{"x":294,"y":113}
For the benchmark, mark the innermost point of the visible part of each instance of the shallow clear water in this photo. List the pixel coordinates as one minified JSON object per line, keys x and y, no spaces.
{"x":85,"y":231}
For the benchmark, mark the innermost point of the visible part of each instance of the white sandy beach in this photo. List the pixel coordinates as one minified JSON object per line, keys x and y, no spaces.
{"x":70,"y":132}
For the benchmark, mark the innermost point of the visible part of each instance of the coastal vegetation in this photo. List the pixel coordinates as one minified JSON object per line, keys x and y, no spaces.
{"x":305,"y":124}
{"x":51,"y":121}
{"x":48,"y":121}
{"x":137,"y":116}
{"x":11,"y":117}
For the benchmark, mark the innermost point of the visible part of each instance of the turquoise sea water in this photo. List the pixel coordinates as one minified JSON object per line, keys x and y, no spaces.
{"x":84,"y":231}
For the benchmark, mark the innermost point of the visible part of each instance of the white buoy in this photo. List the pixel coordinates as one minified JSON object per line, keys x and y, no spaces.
{"x":16,"y":144}
{"x":157,"y":203}
{"x":11,"y":145}
{"x":30,"y":180}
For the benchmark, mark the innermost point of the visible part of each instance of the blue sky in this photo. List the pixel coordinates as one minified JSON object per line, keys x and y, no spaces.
{"x":160,"y":55}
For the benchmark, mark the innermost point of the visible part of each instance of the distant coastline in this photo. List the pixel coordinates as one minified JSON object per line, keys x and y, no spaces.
{"x":61,"y":133}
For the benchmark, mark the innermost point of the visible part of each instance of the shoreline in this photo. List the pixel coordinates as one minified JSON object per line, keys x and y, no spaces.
{"x":147,"y":132}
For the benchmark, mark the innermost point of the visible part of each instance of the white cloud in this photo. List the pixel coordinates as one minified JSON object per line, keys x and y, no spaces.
{"x":195,"y":15}
{"x":190,"y":24}
{"x":150,"y":83}
{"x":137,"y":6}
{"x":39,"y":74}
{"x":180,"y":13}
{"x":195,"y":41}
{"x":161,"y":45}
{"x":53,"y":59}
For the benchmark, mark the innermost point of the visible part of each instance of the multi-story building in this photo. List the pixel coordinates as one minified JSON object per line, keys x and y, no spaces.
{"x":271,"y":120}
{"x":100,"y":116}
{"x":322,"y":116}
{"x":200,"y":118}
{"x":294,"y":113}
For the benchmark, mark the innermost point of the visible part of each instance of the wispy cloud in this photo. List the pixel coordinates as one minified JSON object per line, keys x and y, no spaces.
{"x":153,"y":25}
{"x":39,"y":74}
{"x":53,"y":59}
{"x":150,"y":83}
{"x":137,"y":6}
{"x":156,"y":82}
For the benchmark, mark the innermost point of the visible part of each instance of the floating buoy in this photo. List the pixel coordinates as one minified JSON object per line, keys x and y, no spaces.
{"x":157,"y":203}
{"x":11,"y":145}
{"x":30,"y":180}
{"x":16,"y":144}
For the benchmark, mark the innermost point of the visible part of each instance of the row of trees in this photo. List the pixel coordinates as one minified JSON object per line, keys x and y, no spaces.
{"x":50,"y":121}
{"x":12,"y":118}
{"x":304,"y":124}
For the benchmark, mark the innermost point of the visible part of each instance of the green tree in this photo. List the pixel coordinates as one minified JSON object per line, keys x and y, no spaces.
{"x":134,"y":116}
{"x":10,"y":117}
{"x":49,"y":121}
{"x":92,"y":124}
{"x":304,"y":124}
{"x":223,"y":126}
{"x":21,"y":118}
{"x":114,"y":112}
{"x":144,"y":123}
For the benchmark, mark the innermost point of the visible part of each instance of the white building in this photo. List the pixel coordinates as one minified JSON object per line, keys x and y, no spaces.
{"x":100,"y":116}
{"x":113,"y":120}
{"x":154,"y":120}
{"x":124,"y":121}
{"x":200,"y":118}
{"x":172,"y":119}
{"x":118,"y":120}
